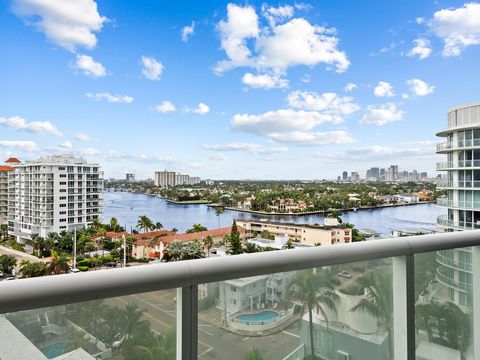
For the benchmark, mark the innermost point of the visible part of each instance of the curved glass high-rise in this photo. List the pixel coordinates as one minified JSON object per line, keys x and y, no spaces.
{"x":462,"y":183}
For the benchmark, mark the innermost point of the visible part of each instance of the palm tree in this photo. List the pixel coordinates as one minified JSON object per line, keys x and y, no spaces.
{"x":378,"y":300}
{"x":4,"y":232}
{"x":29,"y":269}
{"x":96,"y":224}
{"x":250,"y":248}
{"x":218,"y":213}
{"x":315,"y":292}
{"x":288,"y":245}
{"x":58,"y":264}
{"x":38,"y":243}
{"x":144,"y":223}
{"x":208,"y":243}
{"x":174,"y":230}
{"x":132,"y":319}
{"x":96,"y":314}
{"x":196,"y":228}
{"x":158,"y":225}
{"x":253,"y":354}
{"x":114,"y":225}
{"x":336,"y":215}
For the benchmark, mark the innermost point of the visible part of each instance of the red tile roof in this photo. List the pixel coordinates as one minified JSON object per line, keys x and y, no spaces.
{"x":6,"y":168}
{"x":112,"y":234}
{"x":13,"y":160}
{"x":200,"y":235}
{"x":151,"y":234}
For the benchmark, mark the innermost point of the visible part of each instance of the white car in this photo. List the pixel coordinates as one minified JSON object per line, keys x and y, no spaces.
{"x":74,"y":271}
{"x":1,"y":274}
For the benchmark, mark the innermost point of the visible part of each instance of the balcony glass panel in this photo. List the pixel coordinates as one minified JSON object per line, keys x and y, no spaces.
{"x":268,"y":316}
{"x":443,"y":309}
{"x":140,"y":326}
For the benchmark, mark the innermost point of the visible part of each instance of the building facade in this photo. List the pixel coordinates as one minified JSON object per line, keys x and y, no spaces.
{"x":4,"y":171}
{"x":165,"y":178}
{"x":303,"y":233}
{"x":462,"y":183}
{"x":53,"y":194}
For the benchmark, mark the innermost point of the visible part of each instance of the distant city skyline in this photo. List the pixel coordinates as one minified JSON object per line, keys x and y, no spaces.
{"x":235,"y":90}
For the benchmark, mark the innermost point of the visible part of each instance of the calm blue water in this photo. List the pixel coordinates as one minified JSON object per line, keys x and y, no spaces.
{"x":258,"y":317}
{"x":52,"y":351}
{"x":127,"y":207}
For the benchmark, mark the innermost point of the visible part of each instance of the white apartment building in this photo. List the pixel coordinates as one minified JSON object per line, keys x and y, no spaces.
{"x":462,"y":183}
{"x":182,"y":179}
{"x":165,"y":178}
{"x":194,"y":180}
{"x":53,"y":194}
{"x":4,"y":171}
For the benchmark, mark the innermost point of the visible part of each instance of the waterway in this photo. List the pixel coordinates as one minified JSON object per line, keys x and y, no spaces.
{"x":127,"y":207}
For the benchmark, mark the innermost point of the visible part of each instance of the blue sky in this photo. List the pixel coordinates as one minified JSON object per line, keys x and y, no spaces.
{"x":235,"y":90}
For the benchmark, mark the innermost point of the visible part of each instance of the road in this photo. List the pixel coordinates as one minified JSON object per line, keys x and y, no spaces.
{"x":214,"y":342}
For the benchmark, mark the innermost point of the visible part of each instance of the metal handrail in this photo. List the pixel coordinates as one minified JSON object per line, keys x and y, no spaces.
{"x":46,"y":291}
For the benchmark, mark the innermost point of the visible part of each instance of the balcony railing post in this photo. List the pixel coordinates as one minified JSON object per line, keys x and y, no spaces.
{"x":187,"y":323}
{"x":403,"y":308}
{"x":476,"y":301}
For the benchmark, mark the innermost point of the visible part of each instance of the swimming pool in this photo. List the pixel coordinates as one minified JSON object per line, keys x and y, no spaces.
{"x":257,"y":318}
{"x":54,"y":350}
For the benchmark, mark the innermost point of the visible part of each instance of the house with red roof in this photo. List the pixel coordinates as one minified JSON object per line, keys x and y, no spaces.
{"x":148,"y":247}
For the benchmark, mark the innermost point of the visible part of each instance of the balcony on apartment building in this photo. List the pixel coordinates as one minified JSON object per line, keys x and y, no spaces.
{"x":379,"y":299}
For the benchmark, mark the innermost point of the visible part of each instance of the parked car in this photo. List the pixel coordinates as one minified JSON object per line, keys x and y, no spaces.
{"x":344,"y":274}
{"x":74,"y":271}
{"x":1,"y":274}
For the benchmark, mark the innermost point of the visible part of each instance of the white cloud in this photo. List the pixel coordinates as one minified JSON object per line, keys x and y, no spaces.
{"x":327,"y":103}
{"x":276,"y":47}
{"x":384,"y":50}
{"x":420,"y":87}
{"x":350,"y":87}
{"x":188,"y":31}
{"x":201,"y":109}
{"x":314,"y":138}
{"x":66,"y":145}
{"x":152,"y":69}
{"x":420,"y":20}
{"x":247,"y":147}
{"x":298,"y":42}
{"x":68,"y":23}
{"x":383,"y":89}
{"x":89,"y":151}
{"x":276,"y":14}
{"x":382,"y":114}
{"x":458,"y":28}
{"x":165,"y":107}
{"x":38,"y":127}
{"x":422,"y":49}
{"x":18,"y":144}
{"x":218,"y":157}
{"x":264,"y":81}
{"x":291,"y":126}
{"x":90,"y":67}
{"x":423,"y":149}
{"x":110,"y":98}
{"x":83,"y":137}
{"x":241,"y":24}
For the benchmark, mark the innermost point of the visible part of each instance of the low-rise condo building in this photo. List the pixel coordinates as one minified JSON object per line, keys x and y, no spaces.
{"x":315,"y":234}
{"x":53,"y":194}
